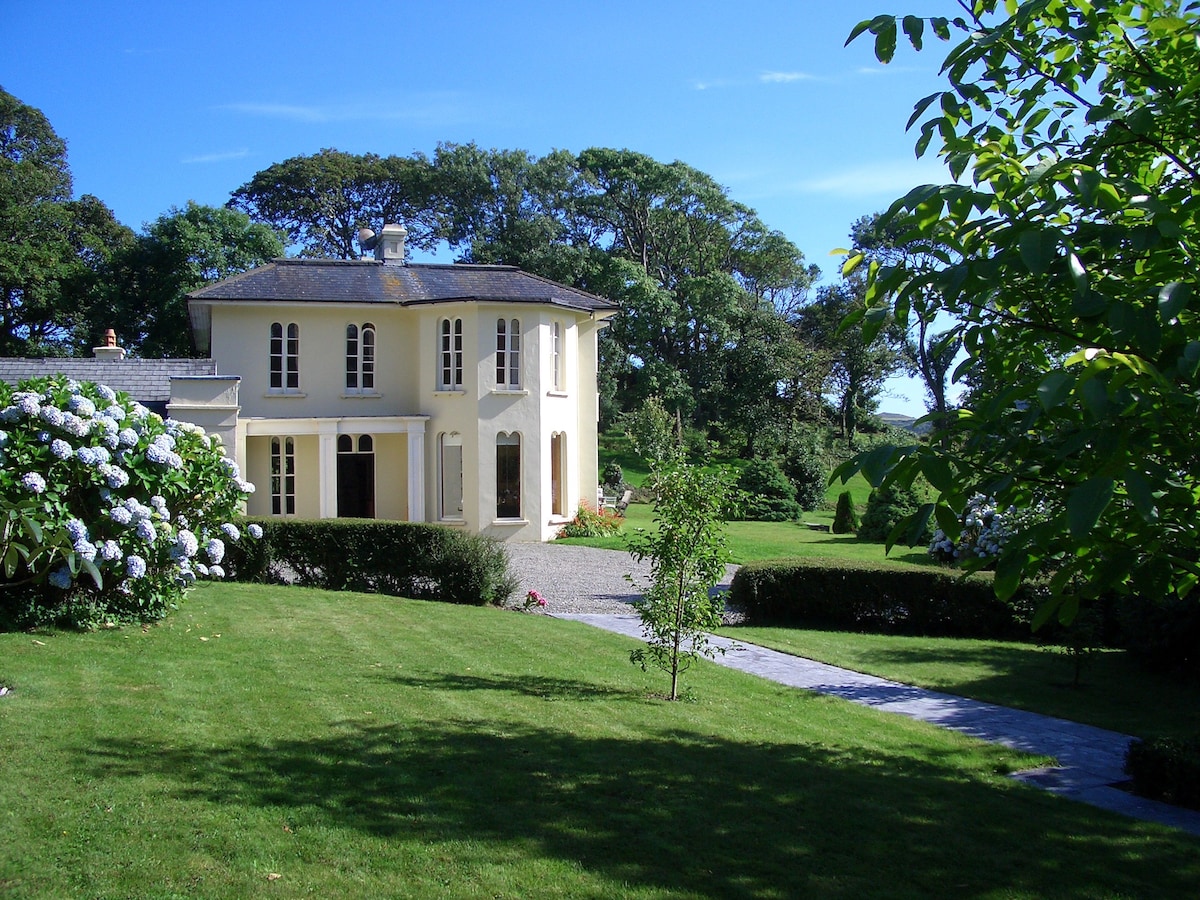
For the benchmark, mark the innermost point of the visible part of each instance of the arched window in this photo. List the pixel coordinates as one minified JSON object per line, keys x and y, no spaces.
{"x":284,"y":358}
{"x":508,"y":353}
{"x":450,"y":354}
{"x":283,"y":476}
{"x":508,"y":475}
{"x":360,"y":359}
{"x":356,"y":476}
{"x":558,"y":474}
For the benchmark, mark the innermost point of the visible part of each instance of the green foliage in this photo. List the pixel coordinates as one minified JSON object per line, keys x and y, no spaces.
{"x":1069,"y":251}
{"x":1163,"y":633}
{"x":1166,"y":769}
{"x":887,"y":507}
{"x":613,"y":476}
{"x":592,"y":522}
{"x":653,"y":432}
{"x":845,"y":517}
{"x":403,"y":559}
{"x":808,"y":474}
{"x":876,"y":597}
{"x":766,"y":493}
{"x":107,"y":512}
{"x":687,"y":555}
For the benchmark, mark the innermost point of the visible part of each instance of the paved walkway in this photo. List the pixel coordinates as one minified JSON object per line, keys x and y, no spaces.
{"x":1090,"y":759}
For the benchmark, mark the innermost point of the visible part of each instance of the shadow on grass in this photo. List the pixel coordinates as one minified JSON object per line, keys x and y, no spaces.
{"x":527,"y":686}
{"x":705,"y":816}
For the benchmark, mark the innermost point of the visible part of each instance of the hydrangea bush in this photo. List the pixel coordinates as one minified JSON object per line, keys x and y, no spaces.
{"x":108,"y":511}
{"x":985,"y":530}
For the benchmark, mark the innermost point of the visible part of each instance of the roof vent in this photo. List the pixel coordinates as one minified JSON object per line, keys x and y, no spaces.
{"x":389,"y":244}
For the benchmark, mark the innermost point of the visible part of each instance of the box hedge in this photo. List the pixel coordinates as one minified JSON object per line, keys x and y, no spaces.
{"x":872,"y":597}
{"x":1166,"y":769}
{"x":404,"y":559}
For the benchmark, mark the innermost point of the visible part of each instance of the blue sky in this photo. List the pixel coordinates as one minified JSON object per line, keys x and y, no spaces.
{"x":168,"y":102}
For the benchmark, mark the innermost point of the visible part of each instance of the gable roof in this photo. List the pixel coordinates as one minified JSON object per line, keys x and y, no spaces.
{"x":373,"y":281}
{"x":146,"y":380}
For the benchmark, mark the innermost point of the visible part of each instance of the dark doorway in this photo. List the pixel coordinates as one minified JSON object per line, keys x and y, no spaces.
{"x":355,"y":478}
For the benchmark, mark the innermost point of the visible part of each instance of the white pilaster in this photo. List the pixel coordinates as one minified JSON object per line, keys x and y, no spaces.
{"x":416,"y":471}
{"x":327,"y":457}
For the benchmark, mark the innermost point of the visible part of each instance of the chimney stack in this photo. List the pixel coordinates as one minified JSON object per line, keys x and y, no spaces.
{"x":110,"y":350}
{"x":390,"y":244}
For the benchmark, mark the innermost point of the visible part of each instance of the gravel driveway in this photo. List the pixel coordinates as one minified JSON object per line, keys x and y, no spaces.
{"x":581,"y":579}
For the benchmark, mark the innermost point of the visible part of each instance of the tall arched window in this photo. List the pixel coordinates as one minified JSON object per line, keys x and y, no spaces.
{"x":450,"y":354}
{"x":508,"y":475}
{"x":285,"y":358}
{"x":508,"y":353}
{"x":283,"y":476}
{"x":360,"y":359}
{"x":558,"y":474}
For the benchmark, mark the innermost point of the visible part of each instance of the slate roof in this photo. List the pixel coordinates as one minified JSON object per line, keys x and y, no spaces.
{"x":373,"y":281}
{"x":146,"y":380}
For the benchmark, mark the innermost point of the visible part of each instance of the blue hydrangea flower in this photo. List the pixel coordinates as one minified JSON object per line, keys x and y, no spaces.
{"x":156,"y":454}
{"x":106,"y":392}
{"x":145,"y":530}
{"x":231,"y":467}
{"x":110,"y":551}
{"x":75,"y":426}
{"x":114,"y":476}
{"x":86,"y":549}
{"x":216,"y":571}
{"x":3,"y":438}
{"x":82,"y":406}
{"x":159,"y":502}
{"x":60,"y":578}
{"x":187,"y":544}
{"x":27,"y":402}
{"x":120,"y":515}
{"x":128,"y":437}
{"x":246,"y":487}
{"x":43,"y":437}
{"x":61,"y":448}
{"x":33,"y":482}
{"x":202,"y":569}
{"x":231,"y":532}
{"x":255,"y":530}
{"x":135,"y":566}
{"x":77,"y":530}
{"x":51,"y":415}
{"x":115,"y":413}
{"x":215,"y":549}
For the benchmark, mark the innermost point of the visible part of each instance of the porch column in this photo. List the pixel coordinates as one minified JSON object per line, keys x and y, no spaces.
{"x":416,"y":471}
{"x":327,"y":459}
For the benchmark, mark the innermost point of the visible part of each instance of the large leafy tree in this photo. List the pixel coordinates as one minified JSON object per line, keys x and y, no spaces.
{"x":1074,"y":242}
{"x":145,"y":291}
{"x":50,"y":245}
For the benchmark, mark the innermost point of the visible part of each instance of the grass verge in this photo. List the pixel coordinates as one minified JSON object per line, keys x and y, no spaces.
{"x":302,"y":743}
{"x":1114,"y":691}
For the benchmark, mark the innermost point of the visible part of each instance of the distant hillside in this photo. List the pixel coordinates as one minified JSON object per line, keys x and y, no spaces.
{"x":899,"y":420}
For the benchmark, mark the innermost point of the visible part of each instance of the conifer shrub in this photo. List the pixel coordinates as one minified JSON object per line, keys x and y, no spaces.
{"x":767,"y":494}
{"x":845,"y":517}
{"x":885,"y":508}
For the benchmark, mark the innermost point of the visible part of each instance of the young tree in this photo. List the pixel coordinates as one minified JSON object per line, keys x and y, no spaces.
{"x":1074,"y":243}
{"x":687,"y":556}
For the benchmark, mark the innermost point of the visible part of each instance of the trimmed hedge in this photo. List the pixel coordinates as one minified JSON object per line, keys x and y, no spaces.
{"x":403,"y":559}
{"x":890,"y":598}
{"x":1166,"y":769}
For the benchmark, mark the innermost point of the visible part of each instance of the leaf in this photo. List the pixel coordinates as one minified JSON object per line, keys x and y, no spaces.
{"x":1085,"y":503}
{"x":1141,"y":495}
{"x":1173,"y":298}
{"x":1046,"y":611}
{"x":947,"y":520}
{"x":1054,"y":389}
{"x":857,"y":30}
{"x":885,"y":39}
{"x":852,"y":263}
{"x":1009,"y":569}
{"x":917,"y":523}
{"x":1079,"y":273}
{"x":877,"y":463}
{"x":938,"y":473}
{"x":914,"y":27}
{"x":1039,"y":247}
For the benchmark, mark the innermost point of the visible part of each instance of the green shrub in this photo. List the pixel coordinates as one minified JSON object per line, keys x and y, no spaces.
{"x":848,"y":595}
{"x":1166,"y":769}
{"x":1163,"y":633}
{"x":885,"y":508}
{"x":404,"y":559}
{"x":845,"y":517}
{"x":808,"y":475}
{"x":614,"y":476}
{"x":591,"y":522}
{"x":768,"y":495}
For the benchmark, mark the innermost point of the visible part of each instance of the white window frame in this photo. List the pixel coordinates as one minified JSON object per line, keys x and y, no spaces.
{"x":508,"y":354}
{"x":557,"y":358}
{"x":283,"y":476}
{"x":360,"y":359}
{"x":284,"y":359}
{"x":450,"y":354}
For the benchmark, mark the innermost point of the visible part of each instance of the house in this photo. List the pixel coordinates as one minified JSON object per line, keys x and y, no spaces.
{"x":458,"y":394}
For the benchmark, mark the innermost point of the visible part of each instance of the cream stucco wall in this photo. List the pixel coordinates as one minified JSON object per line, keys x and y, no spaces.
{"x":407,"y":369}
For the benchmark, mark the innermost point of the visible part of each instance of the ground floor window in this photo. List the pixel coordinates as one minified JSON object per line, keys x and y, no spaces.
{"x":356,"y":477}
{"x":558,"y":474}
{"x":283,"y":476}
{"x":450,"y":476}
{"x":508,"y":476}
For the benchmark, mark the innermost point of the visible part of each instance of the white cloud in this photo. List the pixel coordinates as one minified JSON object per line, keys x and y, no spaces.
{"x":785,"y":77}
{"x":891,"y":178}
{"x":205,"y":158}
{"x":431,"y":109}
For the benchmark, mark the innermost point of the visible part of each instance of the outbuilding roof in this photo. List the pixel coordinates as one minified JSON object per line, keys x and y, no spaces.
{"x":146,"y":380}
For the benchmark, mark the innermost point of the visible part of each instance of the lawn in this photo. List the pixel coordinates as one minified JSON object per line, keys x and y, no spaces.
{"x":284,"y":742}
{"x":1114,"y":692}
{"x":749,"y":541}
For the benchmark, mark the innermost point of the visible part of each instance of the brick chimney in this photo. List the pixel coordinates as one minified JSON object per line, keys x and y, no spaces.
{"x":109,"y":350}
{"x":390,"y":245}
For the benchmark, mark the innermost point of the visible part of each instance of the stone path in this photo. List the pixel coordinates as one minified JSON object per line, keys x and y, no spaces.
{"x":1090,"y":759}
